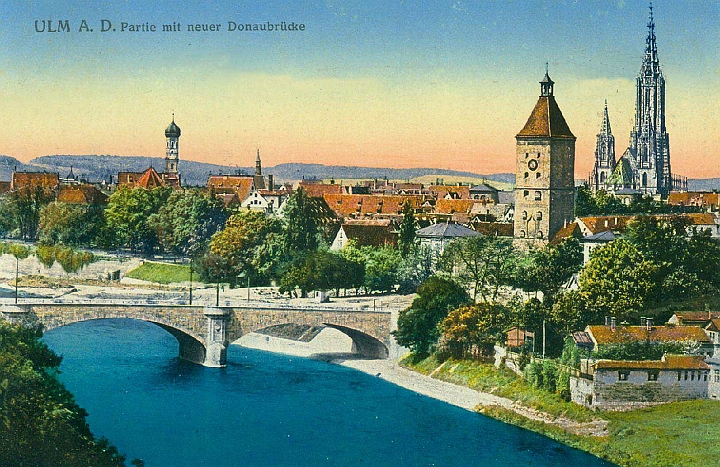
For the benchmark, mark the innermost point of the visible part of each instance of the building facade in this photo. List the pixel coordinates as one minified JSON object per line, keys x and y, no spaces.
{"x":545,"y":185}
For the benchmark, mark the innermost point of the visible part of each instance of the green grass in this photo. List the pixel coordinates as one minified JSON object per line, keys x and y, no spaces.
{"x":668,"y":435}
{"x":162,"y":273}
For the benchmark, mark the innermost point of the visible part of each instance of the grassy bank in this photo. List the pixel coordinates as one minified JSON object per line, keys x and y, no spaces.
{"x":162,"y":273}
{"x":676,"y":434}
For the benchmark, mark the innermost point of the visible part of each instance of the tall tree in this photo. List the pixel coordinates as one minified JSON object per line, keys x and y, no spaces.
{"x":618,"y":281}
{"x":552,"y":266}
{"x":28,"y":202}
{"x":418,"y":324}
{"x":187,"y":221}
{"x":407,"y":240}
{"x":302,"y":216}
{"x":483,"y":264}
{"x":128,"y":216}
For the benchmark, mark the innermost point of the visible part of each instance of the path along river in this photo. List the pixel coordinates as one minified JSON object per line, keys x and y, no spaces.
{"x":272,"y":410}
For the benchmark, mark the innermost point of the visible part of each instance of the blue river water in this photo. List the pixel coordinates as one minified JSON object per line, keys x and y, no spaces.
{"x":271,"y":410}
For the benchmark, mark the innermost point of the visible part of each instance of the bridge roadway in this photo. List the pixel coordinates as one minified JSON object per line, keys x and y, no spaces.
{"x":204,"y":332}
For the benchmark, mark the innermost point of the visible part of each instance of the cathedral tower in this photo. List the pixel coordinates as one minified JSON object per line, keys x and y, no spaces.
{"x":604,"y":154}
{"x":649,"y":141}
{"x":545,"y":180}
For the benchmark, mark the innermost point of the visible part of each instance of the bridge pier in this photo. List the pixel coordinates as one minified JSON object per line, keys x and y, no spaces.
{"x":216,"y":341}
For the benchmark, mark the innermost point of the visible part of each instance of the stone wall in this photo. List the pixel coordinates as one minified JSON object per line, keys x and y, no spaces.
{"x":607,"y":392}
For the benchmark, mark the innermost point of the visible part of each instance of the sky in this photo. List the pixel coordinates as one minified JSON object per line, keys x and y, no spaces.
{"x":376,"y":83}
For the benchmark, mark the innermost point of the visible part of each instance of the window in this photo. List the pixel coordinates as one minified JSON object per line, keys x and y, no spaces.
{"x":705,"y":375}
{"x":652,"y":375}
{"x":537,"y":174}
{"x":527,"y":155}
{"x":538,"y":215}
{"x":538,"y":156}
{"x":679,"y":375}
{"x":526,"y":193}
{"x":538,"y":196}
{"x":717,"y":376}
{"x":686,"y":375}
{"x":527,"y":175}
{"x":524,"y":215}
{"x":692,"y":376}
{"x":522,"y":234}
{"x":623,"y":375}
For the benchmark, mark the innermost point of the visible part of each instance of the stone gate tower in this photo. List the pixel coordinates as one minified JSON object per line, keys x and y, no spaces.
{"x":545,"y":178}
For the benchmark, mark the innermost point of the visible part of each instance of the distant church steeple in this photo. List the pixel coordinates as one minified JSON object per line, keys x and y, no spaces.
{"x":604,"y":153}
{"x":258,"y":164}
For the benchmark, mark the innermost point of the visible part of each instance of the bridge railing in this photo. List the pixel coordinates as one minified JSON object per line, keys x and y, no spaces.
{"x":254,"y":304}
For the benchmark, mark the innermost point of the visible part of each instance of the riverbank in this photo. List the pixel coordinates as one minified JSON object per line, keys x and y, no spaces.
{"x":675,"y":434}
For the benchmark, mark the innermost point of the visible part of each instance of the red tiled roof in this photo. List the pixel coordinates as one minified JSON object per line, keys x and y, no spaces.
{"x":22,"y":180}
{"x":501,"y":229}
{"x":597,"y":224}
{"x":318,"y":190}
{"x":456,"y":192}
{"x":149,"y":179}
{"x":241,"y":185}
{"x":370,"y":233}
{"x":83,"y":194}
{"x":451,"y":206}
{"x":360,"y":205}
{"x":571,"y":230}
{"x":695,"y":317}
{"x":668,"y":362}
{"x":623,"y":334}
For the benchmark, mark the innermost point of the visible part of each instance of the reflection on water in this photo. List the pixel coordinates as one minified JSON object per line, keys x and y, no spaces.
{"x":272,"y":410}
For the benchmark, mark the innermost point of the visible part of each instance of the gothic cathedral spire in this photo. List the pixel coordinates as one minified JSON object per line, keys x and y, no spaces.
{"x":604,"y":153}
{"x":649,"y":140}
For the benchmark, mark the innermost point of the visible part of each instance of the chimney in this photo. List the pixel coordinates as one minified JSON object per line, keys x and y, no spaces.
{"x":271,"y":182}
{"x":612,"y":323}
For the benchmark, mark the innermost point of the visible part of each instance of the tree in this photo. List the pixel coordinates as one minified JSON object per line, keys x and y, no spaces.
{"x":475,"y":327}
{"x":584,"y":202}
{"x":483,"y":264}
{"x":618,"y":281}
{"x":414,"y":269}
{"x":407,"y":240}
{"x":249,"y":243}
{"x":128,"y":216}
{"x":552,"y":266}
{"x":302,"y":217}
{"x":40,"y":423}
{"x":187,"y":221}
{"x":319,"y":270}
{"x":381,"y":265}
{"x":70,"y":224}
{"x":661,"y":240}
{"x":418,"y":324}
{"x":27,"y":204}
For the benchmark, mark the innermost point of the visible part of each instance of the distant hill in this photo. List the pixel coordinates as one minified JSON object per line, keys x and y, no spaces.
{"x":8,"y":164}
{"x":100,"y":167}
{"x":703,"y":184}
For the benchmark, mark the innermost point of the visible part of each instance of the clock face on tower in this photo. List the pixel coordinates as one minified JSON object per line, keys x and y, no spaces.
{"x":532,"y":164}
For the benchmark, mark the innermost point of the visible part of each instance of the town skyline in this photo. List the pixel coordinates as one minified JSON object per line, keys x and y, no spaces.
{"x":394,"y":86}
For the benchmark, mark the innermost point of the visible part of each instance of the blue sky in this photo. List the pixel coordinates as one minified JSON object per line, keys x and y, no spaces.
{"x":367,"y":82}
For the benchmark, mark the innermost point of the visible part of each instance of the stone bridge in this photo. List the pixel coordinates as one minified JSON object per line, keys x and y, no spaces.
{"x":204,"y":332}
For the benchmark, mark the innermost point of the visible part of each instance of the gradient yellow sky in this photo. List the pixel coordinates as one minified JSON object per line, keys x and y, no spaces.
{"x":359,"y":91}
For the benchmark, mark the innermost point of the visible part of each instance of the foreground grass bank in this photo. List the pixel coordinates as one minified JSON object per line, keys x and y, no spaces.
{"x":162,"y":273}
{"x":676,"y":434}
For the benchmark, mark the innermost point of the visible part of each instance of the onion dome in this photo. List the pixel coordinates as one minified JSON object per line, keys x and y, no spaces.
{"x":172,"y":130}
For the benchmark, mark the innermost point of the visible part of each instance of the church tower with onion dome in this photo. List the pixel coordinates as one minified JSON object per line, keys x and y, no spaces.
{"x":171,"y":177}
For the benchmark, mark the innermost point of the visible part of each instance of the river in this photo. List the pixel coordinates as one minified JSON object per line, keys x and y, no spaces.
{"x":272,"y":410}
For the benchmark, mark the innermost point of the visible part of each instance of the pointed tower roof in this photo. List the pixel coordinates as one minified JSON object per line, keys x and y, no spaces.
{"x":605,"y":129}
{"x":651,"y":63}
{"x":546,"y":119}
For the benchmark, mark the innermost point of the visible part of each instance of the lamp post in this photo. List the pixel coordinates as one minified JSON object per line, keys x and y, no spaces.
{"x":191,"y":278}
{"x":17,"y":270}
